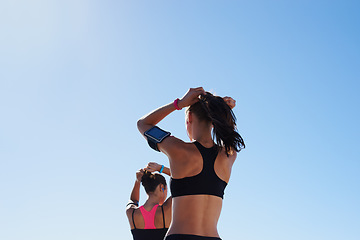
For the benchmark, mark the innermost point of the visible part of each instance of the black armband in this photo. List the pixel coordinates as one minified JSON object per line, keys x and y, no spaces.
{"x":156,"y":135}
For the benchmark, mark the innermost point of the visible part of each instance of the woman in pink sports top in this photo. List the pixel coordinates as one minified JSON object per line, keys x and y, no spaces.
{"x":151,"y":220}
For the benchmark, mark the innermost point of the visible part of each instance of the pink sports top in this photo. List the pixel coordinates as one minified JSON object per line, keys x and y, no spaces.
{"x":149,"y":217}
{"x":149,"y":232}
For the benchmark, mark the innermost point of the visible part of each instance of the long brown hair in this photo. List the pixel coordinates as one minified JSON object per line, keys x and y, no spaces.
{"x":214,"y":109}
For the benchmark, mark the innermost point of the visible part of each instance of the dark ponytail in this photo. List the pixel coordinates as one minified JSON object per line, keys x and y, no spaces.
{"x":151,"y":180}
{"x":214,"y":109}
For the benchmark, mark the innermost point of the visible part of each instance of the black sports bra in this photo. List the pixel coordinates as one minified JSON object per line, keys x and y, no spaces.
{"x":206,"y":182}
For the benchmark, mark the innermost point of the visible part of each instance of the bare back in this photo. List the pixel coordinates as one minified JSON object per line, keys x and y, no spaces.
{"x":195,"y":214}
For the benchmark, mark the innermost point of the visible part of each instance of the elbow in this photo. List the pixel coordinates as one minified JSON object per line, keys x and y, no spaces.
{"x":141,"y":126}
{"x":138,"y":123}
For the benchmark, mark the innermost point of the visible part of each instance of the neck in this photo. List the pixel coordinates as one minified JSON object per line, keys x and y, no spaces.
{"x":151,"y":201}
{"x":202,"y":134}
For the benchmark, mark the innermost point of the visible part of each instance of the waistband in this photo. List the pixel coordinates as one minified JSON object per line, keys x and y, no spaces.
{"x":189,"y":237}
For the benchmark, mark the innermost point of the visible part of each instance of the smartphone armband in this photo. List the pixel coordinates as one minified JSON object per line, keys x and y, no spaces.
{"x":155,"y":135}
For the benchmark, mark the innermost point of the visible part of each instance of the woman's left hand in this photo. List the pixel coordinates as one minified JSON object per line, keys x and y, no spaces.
{"x":153,"y":166}
{"x":230,"y":102}
{"x":191,"y":97}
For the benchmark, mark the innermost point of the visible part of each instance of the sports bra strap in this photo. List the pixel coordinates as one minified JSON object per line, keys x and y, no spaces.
{"x":163,"y":215}
{"x":162,"y":209}
{"x":133,"y":218}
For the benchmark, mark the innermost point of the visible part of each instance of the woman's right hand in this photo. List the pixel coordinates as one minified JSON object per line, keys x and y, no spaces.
{"x":139,"y":175}
{"x":191,"y":97}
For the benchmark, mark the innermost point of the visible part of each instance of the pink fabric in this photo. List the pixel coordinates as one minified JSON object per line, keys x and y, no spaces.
{"x":149,"y":217}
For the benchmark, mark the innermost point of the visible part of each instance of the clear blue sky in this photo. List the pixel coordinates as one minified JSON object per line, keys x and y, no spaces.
{"x":76,"y":75}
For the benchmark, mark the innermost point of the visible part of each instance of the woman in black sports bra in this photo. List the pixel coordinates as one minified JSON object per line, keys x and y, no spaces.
{"x":200,"y":169}
{"x":151,"y":220}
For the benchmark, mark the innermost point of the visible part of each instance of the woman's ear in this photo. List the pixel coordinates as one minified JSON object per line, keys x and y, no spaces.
{"x":159,"y":188}
{"x":189,"y":118}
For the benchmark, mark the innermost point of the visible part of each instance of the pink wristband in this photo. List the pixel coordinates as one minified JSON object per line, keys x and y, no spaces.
{"x":176,"y":104}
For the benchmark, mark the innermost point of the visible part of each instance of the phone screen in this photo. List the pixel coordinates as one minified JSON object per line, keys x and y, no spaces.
{"x":157,"y":133}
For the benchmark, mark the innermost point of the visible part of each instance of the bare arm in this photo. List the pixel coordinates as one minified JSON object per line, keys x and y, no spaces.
{"x":154,"y":117}
{"x":167,"y":171}
{"x":169,"y":145}
{"x":135,"y":193}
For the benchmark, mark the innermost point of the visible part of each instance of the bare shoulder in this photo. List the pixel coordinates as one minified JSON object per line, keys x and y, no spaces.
{"x":182,"y":156}
{"x":230,"y":158}
{"x":173,"y":146}
{"x":167,"y":204}
{"x":130,"y":209}
{"x":132,"y":215}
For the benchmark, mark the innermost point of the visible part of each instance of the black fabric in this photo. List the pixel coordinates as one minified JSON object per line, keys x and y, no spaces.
{"x":206,"y":182}
{"x":146,"y":234}
{"x":149,"y":234}
{"x":153,"y":144}
{"x":133,"y":218}
{"x":189,"y":237}
{"x":162,"y":210}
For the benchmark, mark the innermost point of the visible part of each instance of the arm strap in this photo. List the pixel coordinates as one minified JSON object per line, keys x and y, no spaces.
{"x":153,"y":145}
{"x":162,"y":209}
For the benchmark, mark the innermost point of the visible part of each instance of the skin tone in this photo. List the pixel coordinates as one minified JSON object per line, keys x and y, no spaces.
{"x":156,"y":197}
{"x":152,"y":167}
{"x":193,"y":214}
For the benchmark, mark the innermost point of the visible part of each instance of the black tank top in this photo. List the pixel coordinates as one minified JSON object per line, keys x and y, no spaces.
{"x":206,"y":182}
{"x":146,"y":234}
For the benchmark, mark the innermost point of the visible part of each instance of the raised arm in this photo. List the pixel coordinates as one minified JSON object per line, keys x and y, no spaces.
{"x":154,"y":117}
{"x":171,"y":146}
{"x":135,"y":193}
